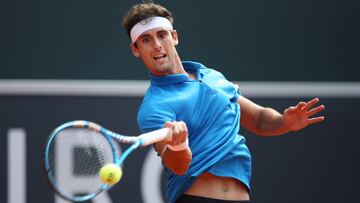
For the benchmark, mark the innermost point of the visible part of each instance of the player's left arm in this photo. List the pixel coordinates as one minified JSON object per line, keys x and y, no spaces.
{"x":267,"y":121}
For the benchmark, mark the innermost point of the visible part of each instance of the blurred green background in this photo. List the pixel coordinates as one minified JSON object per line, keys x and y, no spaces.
{"x":307,"y":40}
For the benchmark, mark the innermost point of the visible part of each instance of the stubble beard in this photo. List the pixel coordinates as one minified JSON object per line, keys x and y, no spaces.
{"x":166,"y":67}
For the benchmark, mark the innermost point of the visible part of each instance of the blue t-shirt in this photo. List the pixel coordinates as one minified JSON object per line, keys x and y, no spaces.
{"x":208,"y":106}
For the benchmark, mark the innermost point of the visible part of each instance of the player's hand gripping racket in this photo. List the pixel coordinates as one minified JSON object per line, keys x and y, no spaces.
{"x":82,"y":159}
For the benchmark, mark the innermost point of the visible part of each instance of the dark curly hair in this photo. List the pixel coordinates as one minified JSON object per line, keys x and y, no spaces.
{"x":143,"y":11}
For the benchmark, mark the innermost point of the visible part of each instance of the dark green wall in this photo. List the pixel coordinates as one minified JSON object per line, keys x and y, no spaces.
{"x":319,"y":164}
{"x":307,"y":40}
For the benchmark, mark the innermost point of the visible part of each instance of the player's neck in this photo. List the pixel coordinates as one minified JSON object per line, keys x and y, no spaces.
{"x":179,"y":68}
{"x":192,"y":76}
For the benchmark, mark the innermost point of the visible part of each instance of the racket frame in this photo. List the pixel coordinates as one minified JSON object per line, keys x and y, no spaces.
{"x":142,"y":140}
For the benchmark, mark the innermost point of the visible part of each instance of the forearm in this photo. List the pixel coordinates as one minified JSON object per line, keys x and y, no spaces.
{"x":260,"y":120}
{"x":267,"y":121}
{"x":270,"y":122}
{"x":176,"y":161}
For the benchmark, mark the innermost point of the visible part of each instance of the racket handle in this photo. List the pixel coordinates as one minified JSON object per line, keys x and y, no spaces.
{"x":156,"y":136}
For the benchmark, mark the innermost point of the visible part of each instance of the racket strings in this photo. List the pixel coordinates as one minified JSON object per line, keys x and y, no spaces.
{"x":77,"y":156}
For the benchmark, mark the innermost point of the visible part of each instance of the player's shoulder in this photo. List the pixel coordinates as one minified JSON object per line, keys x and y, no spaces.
{"x":204,"y":69}
{"x":156,"y":94}
{"x":212,"y":74}
{"x":153,"y":102}
{"x":153,"y":113}
{"x":194,"y":65}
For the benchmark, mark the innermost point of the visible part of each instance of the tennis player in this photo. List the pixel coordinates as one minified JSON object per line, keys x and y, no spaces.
{"x":206,"y":160}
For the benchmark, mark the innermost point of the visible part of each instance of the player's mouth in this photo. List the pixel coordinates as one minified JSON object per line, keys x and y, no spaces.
{"x":159,"y":57}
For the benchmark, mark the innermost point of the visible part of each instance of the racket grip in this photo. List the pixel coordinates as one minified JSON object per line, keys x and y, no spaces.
{"x":156,"y":136}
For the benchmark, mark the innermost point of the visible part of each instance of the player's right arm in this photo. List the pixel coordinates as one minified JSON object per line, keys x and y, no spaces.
{"x":176,"y":161}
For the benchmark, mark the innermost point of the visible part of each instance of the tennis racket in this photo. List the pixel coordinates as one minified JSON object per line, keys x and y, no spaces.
{"x":76,"y":151}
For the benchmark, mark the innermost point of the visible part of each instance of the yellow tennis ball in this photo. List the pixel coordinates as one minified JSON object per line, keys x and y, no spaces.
{"x":110,"y":174}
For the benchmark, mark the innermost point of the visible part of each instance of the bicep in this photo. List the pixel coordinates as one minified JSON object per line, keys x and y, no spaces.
{"x":250,"y":113}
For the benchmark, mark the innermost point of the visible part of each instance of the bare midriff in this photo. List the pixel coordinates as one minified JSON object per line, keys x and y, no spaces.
{"x":216,"y":187}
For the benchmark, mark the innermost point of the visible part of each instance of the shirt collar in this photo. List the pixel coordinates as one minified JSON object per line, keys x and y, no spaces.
{"x":189,"y":66}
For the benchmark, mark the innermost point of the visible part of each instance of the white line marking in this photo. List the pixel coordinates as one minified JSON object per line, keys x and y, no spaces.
{"x":137,"y":88}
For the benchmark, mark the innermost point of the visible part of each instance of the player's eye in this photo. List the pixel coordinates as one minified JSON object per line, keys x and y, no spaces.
{"x":146,"y":40}
{"x":163,"y":35}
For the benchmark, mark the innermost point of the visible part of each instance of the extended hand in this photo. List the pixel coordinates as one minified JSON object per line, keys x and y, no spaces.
{"x":298,"y":117}
{"x":177,"y":161}
{"x":180,"y":132}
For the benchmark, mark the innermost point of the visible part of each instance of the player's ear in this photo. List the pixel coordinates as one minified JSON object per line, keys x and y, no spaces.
{"x":175,"y":37}
{"x":134,"y":50}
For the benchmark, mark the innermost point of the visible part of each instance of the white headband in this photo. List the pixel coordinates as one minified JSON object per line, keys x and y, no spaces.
{"x":148,"y":24}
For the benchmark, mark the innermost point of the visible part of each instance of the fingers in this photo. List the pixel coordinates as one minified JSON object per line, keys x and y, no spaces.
{"x":184,"y":131}
{"x":311,"y":103}
{"x":293,"y":109}
{"x":315,"y":110}
{"x":305,"y":106}
{"x":316,"y":120}
{"x":301,"y":105}
{"x":169,"y":124}
{"x":180,"y":132}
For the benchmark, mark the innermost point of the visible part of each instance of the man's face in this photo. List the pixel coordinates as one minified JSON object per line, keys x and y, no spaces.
{"x":156,"y":48}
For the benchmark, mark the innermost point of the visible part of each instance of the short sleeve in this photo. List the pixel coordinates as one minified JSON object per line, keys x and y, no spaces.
{"x":218,"y":81}
{"x":153,"y":115}
{"x":237,"y":92}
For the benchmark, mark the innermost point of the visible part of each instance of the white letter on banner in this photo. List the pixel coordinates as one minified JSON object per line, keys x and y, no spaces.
{"x":16,"y":165}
